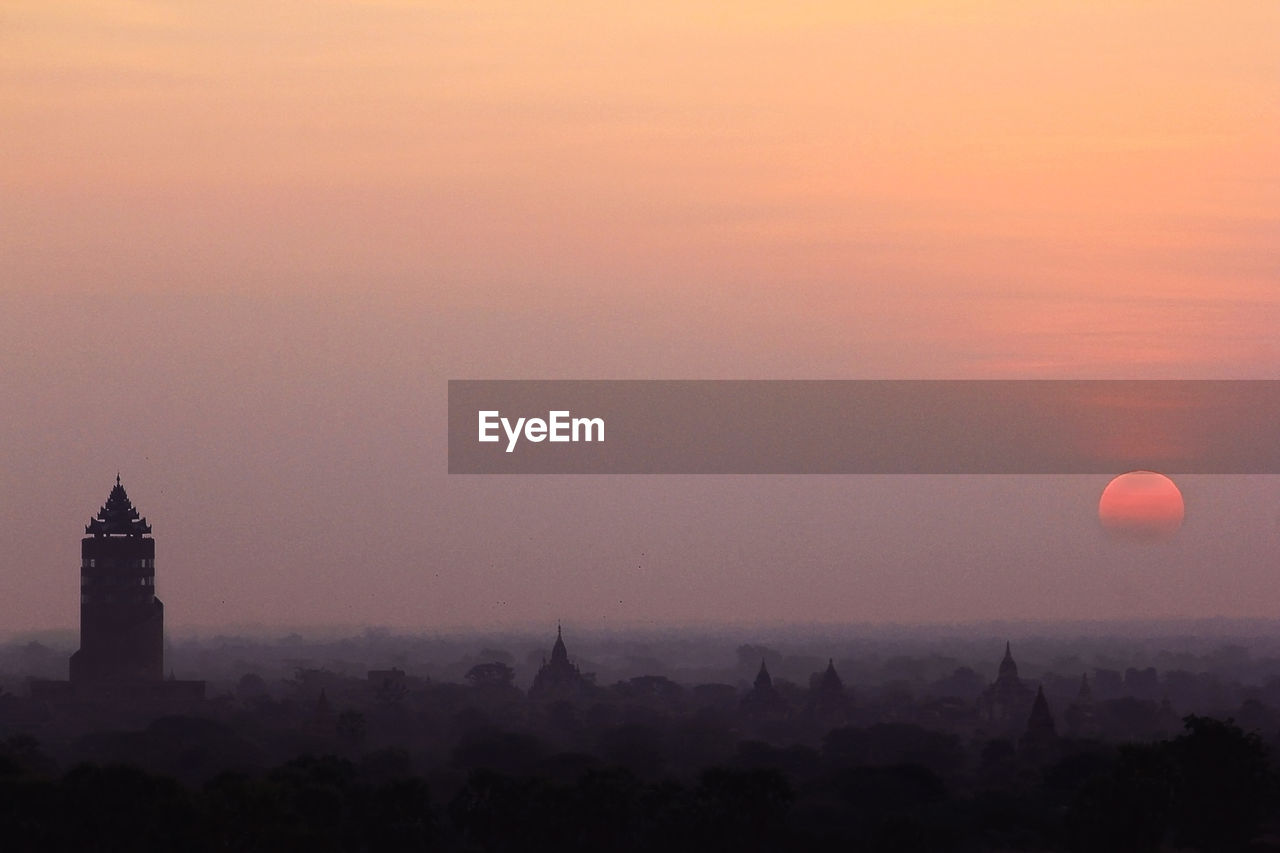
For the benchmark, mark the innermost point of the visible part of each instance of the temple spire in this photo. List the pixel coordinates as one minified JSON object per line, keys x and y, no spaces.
{"x":117,"y":517}
{"x":558,"y":652}
{"x":830,"y":680}
{"x":1008,"y":669}
{"x":1086,"y":692}
{"x":1038,"y":743}
{"x":763,"y":680}
{"x":1041,"y":720}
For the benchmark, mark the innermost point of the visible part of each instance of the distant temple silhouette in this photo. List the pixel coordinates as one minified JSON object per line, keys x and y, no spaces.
{"x":1008,"y":699}
{"x":1081,"y":717}
{"x":828,"y":701}
{"x":1040,"y":739}
{"x":559,"y":678}
{"x":763,"y":701}
{"x":121,"y":654}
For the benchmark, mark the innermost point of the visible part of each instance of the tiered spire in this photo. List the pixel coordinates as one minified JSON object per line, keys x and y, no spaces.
{"x":763,"y":681}
{"x":117,"y":517}
{"x":1008,"y":669}
{"x":830,"y":681}
{"x":1040,"y":723}
{"x":559,"y":677}
{"x":559,"y":654}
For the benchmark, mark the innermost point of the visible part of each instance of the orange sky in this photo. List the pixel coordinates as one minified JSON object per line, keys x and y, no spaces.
{"x":1047,"y":161}
{"x":296,"y":220}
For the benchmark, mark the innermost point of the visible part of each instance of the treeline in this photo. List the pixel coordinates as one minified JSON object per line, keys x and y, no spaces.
{"x":1211,"y":788}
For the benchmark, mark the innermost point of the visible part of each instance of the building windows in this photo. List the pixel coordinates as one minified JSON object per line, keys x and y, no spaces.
{"x":117,"y":580}
{"x":140,"y":563}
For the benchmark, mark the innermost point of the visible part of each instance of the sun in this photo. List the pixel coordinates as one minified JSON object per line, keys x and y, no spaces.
{"x":1141,"y":505}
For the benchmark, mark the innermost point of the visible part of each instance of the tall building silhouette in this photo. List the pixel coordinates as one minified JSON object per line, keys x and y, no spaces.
{"x":121,"y":620}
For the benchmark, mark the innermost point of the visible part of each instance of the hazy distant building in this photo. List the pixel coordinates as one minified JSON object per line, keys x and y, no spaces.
{"x":1040,"y":741}
{"x":321,"y":724}
{"x":1008,"y":700}
{"x":828,"y":701}
{"x":559,"y":678}
{"x":1081,"y":717}
{"x":763,"y":701}
{"x":121,"y":654}
{"x":1107,"y":684}
{"x":1142,"y":683}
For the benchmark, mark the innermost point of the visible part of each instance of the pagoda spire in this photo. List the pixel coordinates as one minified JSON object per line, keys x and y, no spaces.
{"x":763,"y":681}
{"x":830,"y":680}
{"x":559,"y":654}
{"x":1008,"y":669}
{"x":1041,"y":720}
{"x":117,"y":517}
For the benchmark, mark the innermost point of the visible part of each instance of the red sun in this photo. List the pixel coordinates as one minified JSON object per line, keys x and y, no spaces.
{"x":1141,"y":505}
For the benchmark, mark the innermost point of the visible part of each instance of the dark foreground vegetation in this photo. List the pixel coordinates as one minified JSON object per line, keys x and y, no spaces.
{"x":1210,"y":788}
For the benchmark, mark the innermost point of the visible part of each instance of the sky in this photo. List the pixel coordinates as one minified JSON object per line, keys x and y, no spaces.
{"x":246,"y":245}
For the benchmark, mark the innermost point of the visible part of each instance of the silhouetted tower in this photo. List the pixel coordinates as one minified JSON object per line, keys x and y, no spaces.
{"x":1080,"y":716}
{"x":764,"y":681}
{"x":322,"y":721}
{"x":1007,"y":699}
{"x":559,"y":678}
{"x":828,"y":701}
{"x":830,"y":682}
{"x":763,"y":699}
{"x":121,"y":620}
{"x":1041,"y":736}
{"x":1008,"y":669}
{"x":559,"y":654}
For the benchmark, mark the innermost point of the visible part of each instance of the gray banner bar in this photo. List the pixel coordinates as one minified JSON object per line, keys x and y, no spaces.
{"x":864,"y":426}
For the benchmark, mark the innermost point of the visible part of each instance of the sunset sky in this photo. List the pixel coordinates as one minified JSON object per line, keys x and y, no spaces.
{"x":246,"y":245}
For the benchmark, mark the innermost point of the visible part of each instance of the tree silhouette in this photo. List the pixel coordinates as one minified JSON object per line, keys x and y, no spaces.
{"x":351,"y":729}
{"x":1224,"y":784}
{"x":493,"y":674}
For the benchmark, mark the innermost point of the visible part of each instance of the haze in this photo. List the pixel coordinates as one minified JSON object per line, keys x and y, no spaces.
{"x":244,"y":249}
